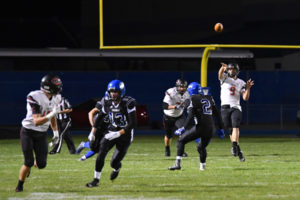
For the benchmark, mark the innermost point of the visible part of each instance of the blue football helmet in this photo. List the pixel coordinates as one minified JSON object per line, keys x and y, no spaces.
{"x":116,"y":85}
{"x":194,"y":88}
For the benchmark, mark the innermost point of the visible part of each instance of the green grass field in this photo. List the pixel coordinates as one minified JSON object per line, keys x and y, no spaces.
{"x":271,"y":171}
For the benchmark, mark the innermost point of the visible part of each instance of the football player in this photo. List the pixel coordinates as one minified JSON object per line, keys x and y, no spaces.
{"x":201,"y":109}
{"x":42,"y":107}
{"x":231,"y":89}
{"x":175,"y":102}
{"x":99,"y":132}
{"x":121,"y":110}
{"x":64,"y":124}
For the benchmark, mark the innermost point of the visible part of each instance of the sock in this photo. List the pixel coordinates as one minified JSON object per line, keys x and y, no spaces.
{"x":97,"y":175}
{"x":116,"y":170}
{"x":168,"y":148}
{"x":20,"y":184}
{"x":238,"y":149}
{"x":87,"y":145}
{"x":234,"y":144}
{"x":89,"y":154}
{"x":178,"y":160}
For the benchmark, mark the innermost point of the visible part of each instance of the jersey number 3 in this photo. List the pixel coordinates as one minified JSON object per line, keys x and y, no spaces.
{"x":232,"y":90}
{"x":117,"y":119}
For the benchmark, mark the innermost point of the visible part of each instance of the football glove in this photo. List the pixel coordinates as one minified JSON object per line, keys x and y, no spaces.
{"x":179,"y":131}
{"x":91,"y":137}
{"x":221,"y":133}
{"x":179,"y":106}
{"x":112,"y":135}
{"x":54,"y":141}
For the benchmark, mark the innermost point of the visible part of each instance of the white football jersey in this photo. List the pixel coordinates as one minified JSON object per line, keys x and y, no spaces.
{"x":45,"y":106}
{"x":173,"y":97}
{"x":231,"y":91}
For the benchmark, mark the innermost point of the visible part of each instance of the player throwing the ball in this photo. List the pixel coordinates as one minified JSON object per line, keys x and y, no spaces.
{"x":231,"y":89}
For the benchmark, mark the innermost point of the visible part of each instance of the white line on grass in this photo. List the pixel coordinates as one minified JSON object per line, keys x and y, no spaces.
{"x":52,"y":196}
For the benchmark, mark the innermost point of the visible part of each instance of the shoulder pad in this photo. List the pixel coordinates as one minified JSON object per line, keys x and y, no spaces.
{"x":171,"y":92}
{"x":130,"y":102}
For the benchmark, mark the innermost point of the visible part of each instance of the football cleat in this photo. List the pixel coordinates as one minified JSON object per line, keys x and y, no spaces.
{"x":241,"y":157}
{"x":184,"y":154}
{"x":202,"y":166}
{"x":82,"y":159}
{"x":94,"y":183}
{"x":175,"y":167}
{"x":19,"y":189}
{"x":80,"y":148}
{"x":114,"y":174}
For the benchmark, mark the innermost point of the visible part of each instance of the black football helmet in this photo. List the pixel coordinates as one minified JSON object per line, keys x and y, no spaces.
{"x":233,"y":66}
{"x":182,"y":83}
{"x":51,"y":83}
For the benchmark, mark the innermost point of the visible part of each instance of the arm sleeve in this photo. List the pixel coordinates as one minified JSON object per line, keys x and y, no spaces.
{"x":165,"y":106}
{"x":98,"y":105}
{"x":100,"y":116}
{"x":34,"y":105}
{"x":132,"y":121}
{"x":167,"y":98}
{"x":186,"y":103}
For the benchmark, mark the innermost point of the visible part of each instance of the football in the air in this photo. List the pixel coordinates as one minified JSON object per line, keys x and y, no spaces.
{"x":218,"y":27}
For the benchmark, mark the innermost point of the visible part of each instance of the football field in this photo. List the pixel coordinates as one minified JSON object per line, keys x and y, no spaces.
{"x":271,"y":171}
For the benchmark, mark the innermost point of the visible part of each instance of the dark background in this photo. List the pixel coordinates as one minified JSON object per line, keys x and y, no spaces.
{"x":75,"y":24}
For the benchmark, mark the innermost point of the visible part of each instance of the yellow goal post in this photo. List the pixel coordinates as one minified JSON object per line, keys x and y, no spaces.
{"x":205,"y":55}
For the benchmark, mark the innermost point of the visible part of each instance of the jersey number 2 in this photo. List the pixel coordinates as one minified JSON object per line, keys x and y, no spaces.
{"x":206,"y":107}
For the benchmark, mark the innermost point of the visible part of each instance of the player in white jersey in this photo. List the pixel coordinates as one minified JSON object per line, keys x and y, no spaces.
{"x":231,"y":89}
{"x":175,"y":101}
{"x":42,"y":107}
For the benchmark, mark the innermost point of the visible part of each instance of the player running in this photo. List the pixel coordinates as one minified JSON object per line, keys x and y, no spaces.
{"x":42,"y":107}
{"x":201,"y":109}
{"x":121,"y":110}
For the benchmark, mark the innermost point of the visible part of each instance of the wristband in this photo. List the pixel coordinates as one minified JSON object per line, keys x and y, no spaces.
{"x":55,"y":133}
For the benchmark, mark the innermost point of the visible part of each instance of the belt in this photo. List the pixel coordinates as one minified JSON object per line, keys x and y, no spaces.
{"x":225,"y":106}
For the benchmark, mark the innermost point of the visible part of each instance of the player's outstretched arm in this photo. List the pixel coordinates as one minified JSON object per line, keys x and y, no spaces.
{"x":91,"y":115}
{"x":246,"y":93}
{"x":221,"y":71}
